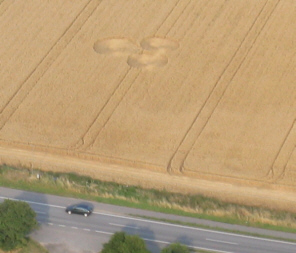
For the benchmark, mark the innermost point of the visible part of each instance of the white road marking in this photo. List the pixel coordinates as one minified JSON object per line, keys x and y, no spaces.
{"x":32,"y":202}
{"x":124,"y":226}
{"x":50,"y":224}
{"x":165,"y":224}
{"x":190,"y":246}
{"x":146,"y":239}
{"x":103,"y":232}
{"x":150,"y":240}
{"x":194,"y":228}
{"x":233,"y":243}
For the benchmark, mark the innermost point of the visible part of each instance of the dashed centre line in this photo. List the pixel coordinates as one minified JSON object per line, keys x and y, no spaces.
{"x":159,"y":223}
{"x":164,"y":223}
{"x":146,"y":239}
{"x":76,"y":228}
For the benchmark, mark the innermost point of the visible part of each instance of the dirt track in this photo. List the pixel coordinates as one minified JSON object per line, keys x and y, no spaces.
{"x":200,"y":94}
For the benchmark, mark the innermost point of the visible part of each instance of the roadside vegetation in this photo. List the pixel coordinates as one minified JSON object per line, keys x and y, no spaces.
{"x":121,"y":242}
{"x":30,"y":247}
{"x":176,"y":248}
{"x":17,"y":220}
{"x":73,"y":185}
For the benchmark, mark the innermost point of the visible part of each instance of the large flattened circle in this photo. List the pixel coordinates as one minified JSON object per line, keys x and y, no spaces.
{"x":158,"y":43}
{"x":147,"y":60}
{"x":115,"y":46}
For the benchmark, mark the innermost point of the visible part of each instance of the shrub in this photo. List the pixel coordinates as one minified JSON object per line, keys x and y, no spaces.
{"x":176,"y":248}
{"x":120,"y":242}
{"x":17,"y":219}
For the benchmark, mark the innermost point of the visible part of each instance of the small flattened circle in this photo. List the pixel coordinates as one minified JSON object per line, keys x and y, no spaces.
{"x":115,"y":46}
{"x":157,"y":43}
{"x":147,"y":60}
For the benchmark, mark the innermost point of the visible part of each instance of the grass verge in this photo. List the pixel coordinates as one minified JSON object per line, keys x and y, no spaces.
{"x":197,"y":206}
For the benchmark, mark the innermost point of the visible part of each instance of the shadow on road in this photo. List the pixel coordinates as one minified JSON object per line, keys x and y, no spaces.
{"x":185,"y":240}
{"x":38,"y":202}
{"x":145,"y":233}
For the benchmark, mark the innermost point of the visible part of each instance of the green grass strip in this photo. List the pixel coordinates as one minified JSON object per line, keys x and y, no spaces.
{"x":196,"y":206}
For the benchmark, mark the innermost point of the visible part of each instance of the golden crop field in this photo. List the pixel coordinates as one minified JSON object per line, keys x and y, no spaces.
{"x":191,"y":96}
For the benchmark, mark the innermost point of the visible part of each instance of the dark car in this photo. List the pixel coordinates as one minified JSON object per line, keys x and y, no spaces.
{"x":84,"y":209}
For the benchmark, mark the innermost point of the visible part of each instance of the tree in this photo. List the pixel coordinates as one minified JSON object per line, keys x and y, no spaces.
{"x":120,"y":242}
{"x":17,"y":219}
{"x":176,"y":248}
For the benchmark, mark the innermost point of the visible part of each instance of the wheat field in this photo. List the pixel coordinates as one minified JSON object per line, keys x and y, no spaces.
{"x":195,"y":96}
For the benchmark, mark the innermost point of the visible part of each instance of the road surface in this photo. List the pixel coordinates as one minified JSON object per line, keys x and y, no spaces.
{"x":61,"y":232}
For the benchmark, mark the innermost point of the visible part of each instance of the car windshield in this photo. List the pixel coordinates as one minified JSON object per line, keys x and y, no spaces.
{"x":81,"y":206}
{"x":85,"y":207}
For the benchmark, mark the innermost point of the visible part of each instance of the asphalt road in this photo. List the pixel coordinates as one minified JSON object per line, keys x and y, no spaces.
{"x":61,"y":232}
